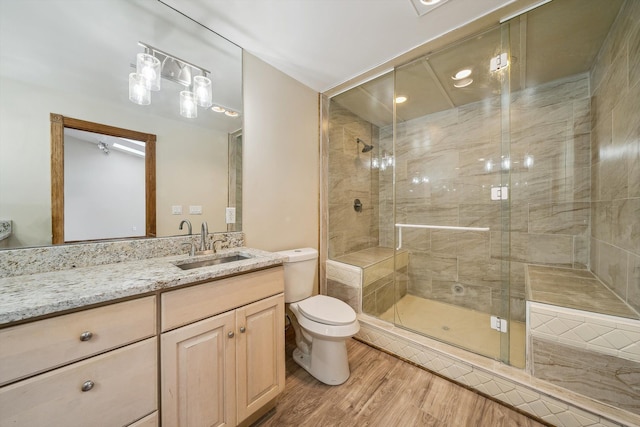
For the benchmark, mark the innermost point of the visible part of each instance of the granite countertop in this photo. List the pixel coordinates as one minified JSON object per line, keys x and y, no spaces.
{"x":33,"y":295}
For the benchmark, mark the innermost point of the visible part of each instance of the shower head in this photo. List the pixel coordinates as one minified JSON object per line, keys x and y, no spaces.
{"x":367,"y":147}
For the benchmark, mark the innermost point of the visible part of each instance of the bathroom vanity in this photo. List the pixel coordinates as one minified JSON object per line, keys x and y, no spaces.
{"x":143,"y":343}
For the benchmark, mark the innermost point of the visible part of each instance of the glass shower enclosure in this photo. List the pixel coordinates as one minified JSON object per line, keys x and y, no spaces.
{"x":451,"y":174}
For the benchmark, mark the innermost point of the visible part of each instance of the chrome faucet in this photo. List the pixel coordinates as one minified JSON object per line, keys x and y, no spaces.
{"x":185,"y":221}
{"x":204,"y":233}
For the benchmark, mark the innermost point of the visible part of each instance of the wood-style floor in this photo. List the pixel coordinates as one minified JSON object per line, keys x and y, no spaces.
{"x":383,"y":391}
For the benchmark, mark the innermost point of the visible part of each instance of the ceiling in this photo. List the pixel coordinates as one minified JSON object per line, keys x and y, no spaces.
{"x":323,"y":43}
{"x":559,"y":39}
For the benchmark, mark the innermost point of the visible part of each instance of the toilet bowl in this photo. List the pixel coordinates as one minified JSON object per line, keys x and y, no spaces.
{"x":322,"y":324}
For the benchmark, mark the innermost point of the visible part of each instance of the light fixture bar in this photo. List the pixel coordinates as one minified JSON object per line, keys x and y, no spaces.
{"x":152,"y":51}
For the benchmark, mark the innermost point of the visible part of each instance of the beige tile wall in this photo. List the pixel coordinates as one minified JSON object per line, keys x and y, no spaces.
{"x":350,"y":177}
{"x":441,"y":180}
{"x":615,"y":158}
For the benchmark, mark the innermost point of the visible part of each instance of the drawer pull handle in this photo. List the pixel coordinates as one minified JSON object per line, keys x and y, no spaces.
{"x":242,"y":329}
{"x":88,"y":385}
{"x":230,"y":334}
{"x":86,"y":336}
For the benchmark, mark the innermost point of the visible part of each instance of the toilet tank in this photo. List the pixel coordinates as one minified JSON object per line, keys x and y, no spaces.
{"x":299,"y":273}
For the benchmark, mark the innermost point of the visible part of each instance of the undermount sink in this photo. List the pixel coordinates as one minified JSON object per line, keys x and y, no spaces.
{"x":212,"y":261}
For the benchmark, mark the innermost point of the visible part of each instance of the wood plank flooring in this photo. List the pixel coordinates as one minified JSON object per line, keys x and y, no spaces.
{"x":383,"y":391}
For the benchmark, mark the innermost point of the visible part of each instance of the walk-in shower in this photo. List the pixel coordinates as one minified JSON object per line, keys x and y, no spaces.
{"x":517,"y":189}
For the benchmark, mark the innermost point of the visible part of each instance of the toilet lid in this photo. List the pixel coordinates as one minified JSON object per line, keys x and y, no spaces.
{"x":327,"y":310}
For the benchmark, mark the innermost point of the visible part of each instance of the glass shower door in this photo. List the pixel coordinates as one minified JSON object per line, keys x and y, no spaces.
{"x":451,"y":182}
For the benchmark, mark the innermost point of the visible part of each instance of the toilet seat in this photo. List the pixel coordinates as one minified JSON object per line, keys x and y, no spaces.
{"x":327,"y":310}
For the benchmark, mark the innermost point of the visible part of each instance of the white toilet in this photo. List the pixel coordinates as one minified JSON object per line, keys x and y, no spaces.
{"x":322,"y":324}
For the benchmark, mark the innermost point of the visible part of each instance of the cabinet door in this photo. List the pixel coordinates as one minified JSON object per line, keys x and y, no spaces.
{"x":260,"y":347}
{"x":198,"y":374}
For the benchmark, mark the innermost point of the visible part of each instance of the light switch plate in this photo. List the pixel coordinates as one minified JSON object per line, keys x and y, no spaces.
{"x":230,"y":215}
{"x":176,"y":210}
{"x":195,"y":210}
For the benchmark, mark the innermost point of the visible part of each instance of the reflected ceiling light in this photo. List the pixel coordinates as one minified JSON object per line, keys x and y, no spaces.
{"x":400,"y":99}
{"x":128,"y":149}
{"x":231,"y":113}
{"x":154,"y":64}
{"x":462,"y":74}
{"x":134,"y":141}
{"x":463,"y":83}
{"x":218,"y":109}
{"x":423,"y":7}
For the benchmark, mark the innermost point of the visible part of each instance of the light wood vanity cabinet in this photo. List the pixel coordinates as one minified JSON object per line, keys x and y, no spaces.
{"x":227,"y":367}
{"x":221,"y":357}
{"x":109,"y":368}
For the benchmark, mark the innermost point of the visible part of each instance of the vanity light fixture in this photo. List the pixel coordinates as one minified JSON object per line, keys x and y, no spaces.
{"x":153,"y":64}
{"x":103,"y":147}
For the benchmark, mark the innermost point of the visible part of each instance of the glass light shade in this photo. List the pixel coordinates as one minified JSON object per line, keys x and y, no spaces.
{"x":148,"y":66}
{"x":188,"y":106}
{"x":138,"y":90}
{"x":202,"y":90}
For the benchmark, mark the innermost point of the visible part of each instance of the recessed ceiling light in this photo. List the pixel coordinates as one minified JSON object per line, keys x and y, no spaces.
{"x":462,"y":74}
{"x":401,"y":99}
{"x":430,"y":2}
{"x":231,"y":113}
{"x":463,"y":83}
{"x":218,"y":109}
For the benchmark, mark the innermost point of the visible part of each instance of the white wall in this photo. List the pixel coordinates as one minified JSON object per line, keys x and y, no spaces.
{"x":103,"y":193}
{"x":281,"y":159}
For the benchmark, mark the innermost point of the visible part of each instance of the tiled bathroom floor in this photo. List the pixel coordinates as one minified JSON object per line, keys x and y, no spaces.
{"x":459,"y":326}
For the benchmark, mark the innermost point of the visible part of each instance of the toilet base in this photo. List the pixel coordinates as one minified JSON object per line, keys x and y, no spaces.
{"x":327,"y":362}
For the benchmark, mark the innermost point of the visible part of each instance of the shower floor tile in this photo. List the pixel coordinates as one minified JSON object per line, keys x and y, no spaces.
{"x":459,"y":326}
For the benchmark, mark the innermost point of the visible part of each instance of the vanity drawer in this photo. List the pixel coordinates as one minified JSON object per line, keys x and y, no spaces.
{"x":188,"y":305}
{"x":124,"y":390}
{"x":148,"y":421}
{"x":34,"y":347}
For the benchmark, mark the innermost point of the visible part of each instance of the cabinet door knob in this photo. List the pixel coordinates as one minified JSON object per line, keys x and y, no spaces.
{"x":86,"y":336}
{"x":88,"y":385}
{"x":242,"y":329}
{"x":230,"y":334}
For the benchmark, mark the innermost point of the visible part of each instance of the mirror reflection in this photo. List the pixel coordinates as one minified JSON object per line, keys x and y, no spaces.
{"x":53,"y":60}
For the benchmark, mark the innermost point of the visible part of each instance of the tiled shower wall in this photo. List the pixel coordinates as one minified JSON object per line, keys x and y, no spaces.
{"x":446,"y":164}
{"x":351,"y":177}
{"x":615,"y":158}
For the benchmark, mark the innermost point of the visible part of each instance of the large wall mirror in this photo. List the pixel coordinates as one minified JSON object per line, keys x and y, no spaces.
{"x":74,"y":59}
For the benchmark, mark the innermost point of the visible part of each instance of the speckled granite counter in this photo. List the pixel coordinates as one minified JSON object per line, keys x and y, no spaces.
{"x":33,"y":295}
